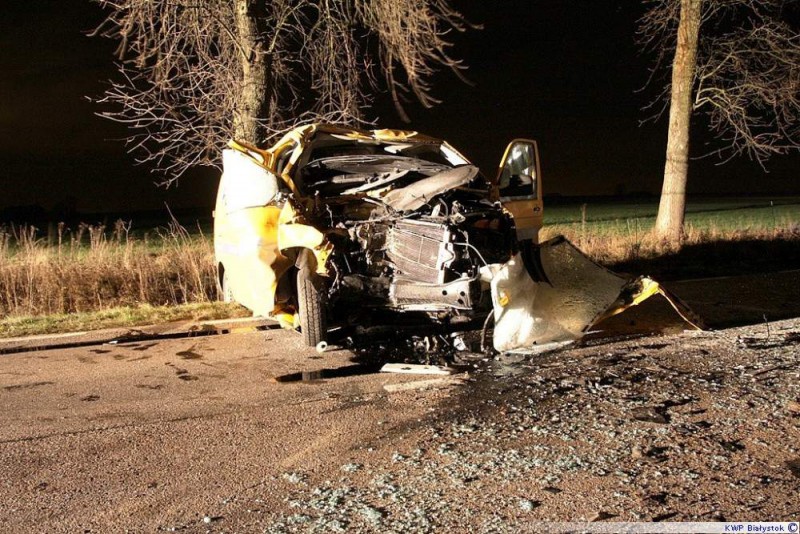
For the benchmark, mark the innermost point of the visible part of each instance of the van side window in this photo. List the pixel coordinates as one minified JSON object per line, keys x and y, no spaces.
{"x":518,"y":174}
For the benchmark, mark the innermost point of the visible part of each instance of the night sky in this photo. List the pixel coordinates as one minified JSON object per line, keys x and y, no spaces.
{"x":565,"y":73}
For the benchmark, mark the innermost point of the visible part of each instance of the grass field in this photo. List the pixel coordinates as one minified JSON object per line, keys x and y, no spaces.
{"x":96,"y":276}
{"x":724,"y":215}
{"x":96,"y":268}
{"x":615,"y":233}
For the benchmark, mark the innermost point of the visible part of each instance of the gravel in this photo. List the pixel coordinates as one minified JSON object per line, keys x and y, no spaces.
{"x":697,"y":426}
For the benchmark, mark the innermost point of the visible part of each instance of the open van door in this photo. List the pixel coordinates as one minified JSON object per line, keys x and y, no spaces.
{"x":519,"y":185}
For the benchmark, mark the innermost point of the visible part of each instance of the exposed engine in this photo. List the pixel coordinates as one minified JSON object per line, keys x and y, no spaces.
{"x":428,"y":260}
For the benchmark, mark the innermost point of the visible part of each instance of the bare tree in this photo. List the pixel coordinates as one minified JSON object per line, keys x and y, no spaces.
{"x":738,"y":61}
{"x":194,"y":73}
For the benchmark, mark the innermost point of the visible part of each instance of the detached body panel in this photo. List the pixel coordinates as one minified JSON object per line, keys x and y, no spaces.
{"x":553,"y":293}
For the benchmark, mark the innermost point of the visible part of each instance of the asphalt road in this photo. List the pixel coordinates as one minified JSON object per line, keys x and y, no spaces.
{"x":198,"y":435}
{"x":154,"y":435}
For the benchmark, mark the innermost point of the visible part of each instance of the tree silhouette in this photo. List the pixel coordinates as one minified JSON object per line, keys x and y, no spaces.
{"x":736,"y":61}
{"x":194,"y":73}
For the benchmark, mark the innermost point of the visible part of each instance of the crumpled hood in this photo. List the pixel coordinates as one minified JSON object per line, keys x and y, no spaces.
{"x":414,"y":196}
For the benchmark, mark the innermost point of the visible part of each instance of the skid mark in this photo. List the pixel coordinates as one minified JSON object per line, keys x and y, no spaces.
{"x":189,"y":354}
{"x":154,"y":387}
{"x":183,"y":374}
{"x":29,"y":385}
{"x":145,"y":347}
{"x":187,"y":377}
{"x":156,"y":423}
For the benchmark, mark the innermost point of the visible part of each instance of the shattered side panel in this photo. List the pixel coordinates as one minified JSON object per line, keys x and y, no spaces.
{"x":293,"y":232}
{"x":560,"y":294}
{"x":572,"y":293}
{"x":254,"y":261}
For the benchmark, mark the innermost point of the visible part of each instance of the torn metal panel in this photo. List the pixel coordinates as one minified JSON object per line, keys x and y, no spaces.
{"x":416,"y":369}
{"x":556,"y":294}
{"x":416,"y":195}
{"x":255,"y":187}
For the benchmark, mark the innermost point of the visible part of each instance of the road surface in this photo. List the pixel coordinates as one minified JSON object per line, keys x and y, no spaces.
{"x":197,"y":435}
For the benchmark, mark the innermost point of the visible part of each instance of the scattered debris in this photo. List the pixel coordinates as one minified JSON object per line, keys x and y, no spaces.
{"x":542,"y":348}
{"x":527,"y":505}
{"x":769,"y":341}
{"x":602,"y":516}
{"x":732,"y":445}
{"x":416,"y":369}
{"x":424,"y":384}
{"x":651,"y":414}
{"x":294,"y":478}
{"x":561,"y":438}
{"x":567,"y":423}
{"x":794,"y":467}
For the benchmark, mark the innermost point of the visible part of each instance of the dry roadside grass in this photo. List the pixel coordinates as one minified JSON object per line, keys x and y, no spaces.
{"x":95,"y":268}
{"x":96,"y":277}
{"x":125,"y":316}
{"x":621,"y":248}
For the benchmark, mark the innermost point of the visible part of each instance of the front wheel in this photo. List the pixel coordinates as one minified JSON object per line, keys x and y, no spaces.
{"x":311,"y":303}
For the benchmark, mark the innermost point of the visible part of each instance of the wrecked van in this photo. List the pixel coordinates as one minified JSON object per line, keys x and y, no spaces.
{"x":330,"y":220}
{"x":331,"y":225}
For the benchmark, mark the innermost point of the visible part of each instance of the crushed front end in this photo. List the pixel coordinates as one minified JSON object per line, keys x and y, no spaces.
{"x":428,"y":260}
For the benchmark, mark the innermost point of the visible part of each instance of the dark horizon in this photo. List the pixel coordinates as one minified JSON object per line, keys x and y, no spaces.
{"x":565,"y":74}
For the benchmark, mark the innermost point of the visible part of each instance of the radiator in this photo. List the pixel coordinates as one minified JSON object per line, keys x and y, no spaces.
{"x":420,"y":250}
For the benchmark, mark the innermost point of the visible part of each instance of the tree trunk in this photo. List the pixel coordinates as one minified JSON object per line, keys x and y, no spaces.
{"x":671,"y":209}
{"x":253,"y":105}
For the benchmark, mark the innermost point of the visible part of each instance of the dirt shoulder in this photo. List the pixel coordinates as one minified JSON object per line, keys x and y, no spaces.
{"x":124,"y":317}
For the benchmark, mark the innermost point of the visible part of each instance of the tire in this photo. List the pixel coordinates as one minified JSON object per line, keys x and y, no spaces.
{"x":227,"y":294}
{"x":311,"y":303}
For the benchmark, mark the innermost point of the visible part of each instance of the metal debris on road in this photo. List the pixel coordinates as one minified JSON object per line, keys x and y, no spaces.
{"x":416,"y":369}
{"x":424,"y":384}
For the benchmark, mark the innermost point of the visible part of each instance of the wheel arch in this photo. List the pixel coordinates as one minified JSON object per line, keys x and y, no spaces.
{"x":302,"y":258}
